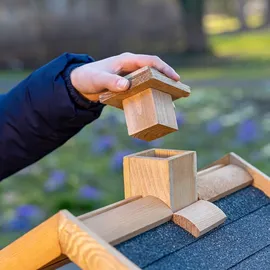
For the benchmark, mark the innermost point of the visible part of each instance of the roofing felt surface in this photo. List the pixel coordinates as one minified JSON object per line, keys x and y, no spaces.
{"x":242,"y":242}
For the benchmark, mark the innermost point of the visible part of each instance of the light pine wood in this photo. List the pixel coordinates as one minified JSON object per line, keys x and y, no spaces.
{"x":260,"y":180}
{"x":142,"y":79}
{"x":34,"y":249}
{"x":150,"y":115}
{"x":222,"y":182}
{"x":199,"y":217}
{"x":108,"y":208}
{"x":210,"y":169}
{"x":169,"y":175}
{"x":126,"y":221}
{"x":86,"y":249}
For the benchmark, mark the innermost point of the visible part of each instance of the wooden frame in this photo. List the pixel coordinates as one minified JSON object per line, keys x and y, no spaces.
{"x":88,"y":240}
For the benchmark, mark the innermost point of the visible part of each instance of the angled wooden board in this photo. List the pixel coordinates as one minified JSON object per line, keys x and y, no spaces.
{"x":142,"y":79}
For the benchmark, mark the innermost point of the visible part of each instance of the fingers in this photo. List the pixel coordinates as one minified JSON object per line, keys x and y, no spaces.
{"x":130,"y":62}
{"x":112,"y":82}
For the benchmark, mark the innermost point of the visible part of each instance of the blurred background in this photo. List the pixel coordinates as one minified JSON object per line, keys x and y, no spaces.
{"x":220,"y":48}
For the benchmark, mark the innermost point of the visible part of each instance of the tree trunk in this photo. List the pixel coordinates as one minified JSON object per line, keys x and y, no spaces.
{"x":196,"y":41}
{"x":240,"y":9}
{"x":267,"y":13}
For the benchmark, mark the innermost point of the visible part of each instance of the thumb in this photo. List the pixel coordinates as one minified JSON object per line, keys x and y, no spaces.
{"x":112,"y":82}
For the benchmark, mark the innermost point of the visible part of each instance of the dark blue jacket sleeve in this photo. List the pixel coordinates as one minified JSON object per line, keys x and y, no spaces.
{"x":40,"y":114}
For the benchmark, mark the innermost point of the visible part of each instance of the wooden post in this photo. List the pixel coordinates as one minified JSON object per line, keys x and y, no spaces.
{"x":169,"y":175}
{"x":148,"y":104}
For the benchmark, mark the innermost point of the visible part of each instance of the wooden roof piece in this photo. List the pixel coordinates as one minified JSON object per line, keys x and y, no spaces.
{"x":89,"y":240}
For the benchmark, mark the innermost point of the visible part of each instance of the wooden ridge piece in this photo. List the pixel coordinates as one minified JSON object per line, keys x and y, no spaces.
{"x":126,"y":221}
{"x":260,"y":179}
{"x":142,"y":79}
{"x":222,"y":182}
{"x":199,"y":217}
{"x":169,"y":175}
{"x":150,"y":115}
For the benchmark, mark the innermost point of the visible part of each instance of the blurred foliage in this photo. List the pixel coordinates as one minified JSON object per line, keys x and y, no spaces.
{"x":86,"y":173}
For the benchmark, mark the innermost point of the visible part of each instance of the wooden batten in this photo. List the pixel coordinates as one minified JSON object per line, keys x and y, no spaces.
{"x":126,"y":221}
{"x":221,"y":182}
{"x":169,"y":175}
{"x":260,"y":179}
{"x":199,"y":217}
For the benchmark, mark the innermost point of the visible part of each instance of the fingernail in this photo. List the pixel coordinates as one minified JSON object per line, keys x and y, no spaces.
{"x":122,"y":84}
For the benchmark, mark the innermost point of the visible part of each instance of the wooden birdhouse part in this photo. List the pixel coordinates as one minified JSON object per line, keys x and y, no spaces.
{"x":148,"y":104}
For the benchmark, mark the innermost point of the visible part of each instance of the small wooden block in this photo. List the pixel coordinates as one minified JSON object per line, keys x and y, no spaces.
{"x":150,"y":115}
{"x":143,"y":79}
{"x":148,"y":105}
{"x":199,"y":217}
{"x":169,"y":175}
{"x":222,"y":182}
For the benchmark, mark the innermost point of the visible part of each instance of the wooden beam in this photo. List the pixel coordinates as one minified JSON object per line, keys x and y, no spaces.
{"x":169,"y":175}
{"x":35,"y":249}
{"x":222,"y":182}
{"x":126,"y":221}
{"x":260,"y":180}
{"x":199,"y":217}
{"x":142,"y":79}
{"x":86,"y":249}
{"x":150,"y":115}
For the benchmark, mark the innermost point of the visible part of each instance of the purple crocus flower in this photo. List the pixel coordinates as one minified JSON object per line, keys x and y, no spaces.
{"x":89,"y":193}
{"x":139,"y":142}
{"x":213,"y":127}
{"x":56,"y":181}
{"x":103,"y":144}
{"x":156,"y":143}
{"x":28,"y":211}
{"x":180,"y":118}
{"x":18,"y":225}
{"x":117,"y":159}
{"x":247,"y":131}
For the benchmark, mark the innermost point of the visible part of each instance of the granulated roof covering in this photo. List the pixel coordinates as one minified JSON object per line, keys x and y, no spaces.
{"x":242,"y":242}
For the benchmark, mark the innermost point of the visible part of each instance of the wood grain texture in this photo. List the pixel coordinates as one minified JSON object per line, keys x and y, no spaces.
{"x":142,"y":79}
{"x":108,"y":208}
{"x":126,"y":221}
{"x":150,"y":115}
{"x":210,"y":169}
{"x":222,"y":182}
{"x":33,"y":250}
{"x":199,"y":217}
{"x":169,"y":175}
{"x":86,"y":249}
{"x":260,"y":180}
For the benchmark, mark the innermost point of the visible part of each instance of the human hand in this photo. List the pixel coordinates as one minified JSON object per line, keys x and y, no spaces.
{"x":91,"y":79}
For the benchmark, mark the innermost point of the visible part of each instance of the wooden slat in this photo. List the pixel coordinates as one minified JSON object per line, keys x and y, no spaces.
{"x":126,"y":221}
{"x":169,"y":175}
{"x":142,"y":79}
{"x":87,"y":249}
{"x":210,"y":169}
{"x":199,"y":217}
{"x":33,"y":250}
{"x":222,"y":182}
{"x":260,"y":180}
{"x":108,"y":208}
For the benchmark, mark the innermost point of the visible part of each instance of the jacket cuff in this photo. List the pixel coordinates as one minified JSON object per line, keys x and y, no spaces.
{"x":77,"y":98}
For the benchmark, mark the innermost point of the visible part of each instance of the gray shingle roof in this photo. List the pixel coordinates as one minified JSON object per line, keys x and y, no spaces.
{"x":242,"y":242}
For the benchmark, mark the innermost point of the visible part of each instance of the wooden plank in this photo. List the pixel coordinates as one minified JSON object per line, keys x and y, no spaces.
{"x":35,"y":249}
{"x":150,"y":115}
{"x":126,"y":221}
{"x":222,"y":182}
{"x":108,"y":208}
{"x":210,"y":169}
{"x":260,"y":180}
{"x":86,"y":249}
{"x":169,"y":176}
{"x":199,"y":217}
{"x":142,"y":79}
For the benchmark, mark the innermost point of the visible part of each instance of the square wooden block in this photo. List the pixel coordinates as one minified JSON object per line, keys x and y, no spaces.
{"x":150,"y":115}
{"x":169,"y":175}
